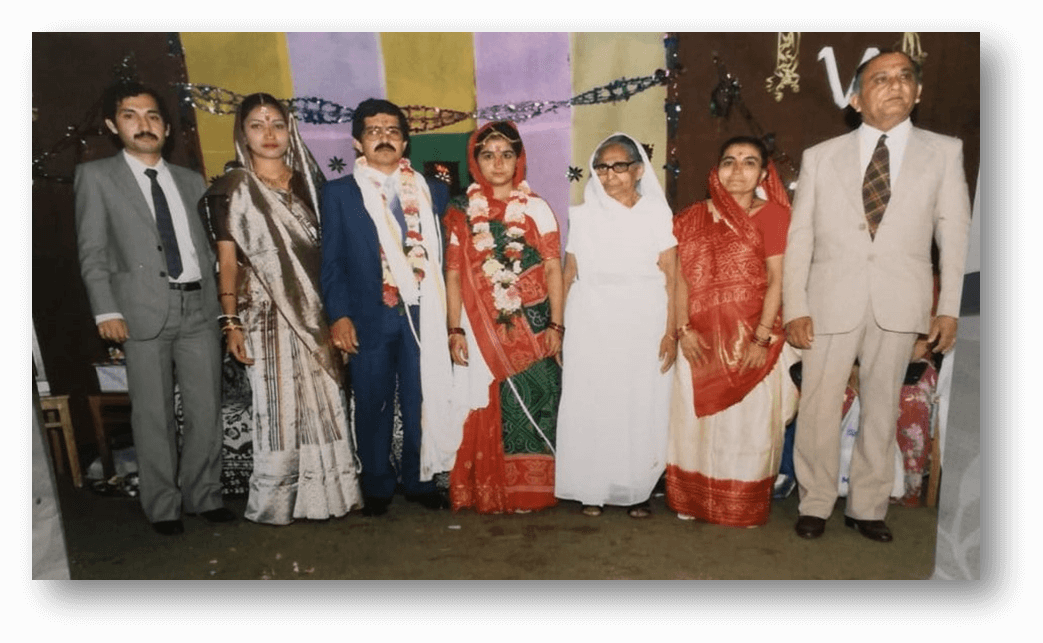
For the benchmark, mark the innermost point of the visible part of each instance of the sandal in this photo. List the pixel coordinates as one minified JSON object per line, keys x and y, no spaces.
{"x":640,"y":510}
{"x":591,"y":510}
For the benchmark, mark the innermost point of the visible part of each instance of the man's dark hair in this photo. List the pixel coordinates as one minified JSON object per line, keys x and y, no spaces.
{"x":115,"y":94}
{"x":917,"y":68}
{"x":372,"y":107}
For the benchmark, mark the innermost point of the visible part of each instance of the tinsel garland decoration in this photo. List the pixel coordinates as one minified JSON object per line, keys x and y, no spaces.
{"x":672,"y":107}
{"x":911,"y":46}
{"x":785,"y":65}
{"x":75,"y":135}
{"x":425,"y":118}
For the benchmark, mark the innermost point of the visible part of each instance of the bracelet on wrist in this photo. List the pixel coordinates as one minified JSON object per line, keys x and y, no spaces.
{"x":681,"y":332}
{"x":456,"y":330}
{"x":763,"y":343}
{"x":557,"y":327}
{"x":227,"y":294}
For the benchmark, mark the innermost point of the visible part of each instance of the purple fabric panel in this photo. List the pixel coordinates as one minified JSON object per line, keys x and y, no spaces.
{"x":512,"y":67}
{"x":345,"y":68}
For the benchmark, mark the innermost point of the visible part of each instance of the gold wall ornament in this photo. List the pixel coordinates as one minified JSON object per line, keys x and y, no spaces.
{"x":785,"y":65}
{"x":911,"y":46}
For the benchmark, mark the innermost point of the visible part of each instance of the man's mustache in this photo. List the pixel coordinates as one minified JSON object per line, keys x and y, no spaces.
{"x":384,"y":146}
{"x":146,"y":135}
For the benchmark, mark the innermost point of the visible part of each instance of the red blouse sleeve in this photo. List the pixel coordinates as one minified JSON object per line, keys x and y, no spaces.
{"x":773,"y":223}
{"x":454,"y":251}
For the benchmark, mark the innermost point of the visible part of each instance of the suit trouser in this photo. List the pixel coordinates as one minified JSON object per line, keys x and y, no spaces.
{"x":188,"y":347}
{"x":883,"y":359}
{"x":389,"y":357}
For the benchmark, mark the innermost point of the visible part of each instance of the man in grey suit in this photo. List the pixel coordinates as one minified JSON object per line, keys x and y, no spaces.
{"x":149,"y":271}
{"x":857,"y":283}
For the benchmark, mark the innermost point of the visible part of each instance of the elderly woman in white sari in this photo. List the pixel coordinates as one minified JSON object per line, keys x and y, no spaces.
{"x":620,"y":266}
{"x":263,"y":220}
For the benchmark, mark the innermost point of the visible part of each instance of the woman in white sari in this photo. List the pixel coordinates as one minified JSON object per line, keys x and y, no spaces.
{"x":620,"y":266}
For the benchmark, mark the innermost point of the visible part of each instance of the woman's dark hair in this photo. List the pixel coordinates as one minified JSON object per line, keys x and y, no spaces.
{"x":372,"y":107}
{"x":499,"y":129}
{"x":115,"y":94}
{"x":253,"y":101}
{"x":762,"y":149}
{"x":622,"y":141}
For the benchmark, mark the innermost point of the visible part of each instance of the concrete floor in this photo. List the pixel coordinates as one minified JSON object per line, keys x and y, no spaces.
{"x":108,"y":538}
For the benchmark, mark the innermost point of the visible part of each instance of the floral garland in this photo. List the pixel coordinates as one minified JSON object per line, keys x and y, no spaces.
{"x":502,"y":269}
{"x":416,"y":254}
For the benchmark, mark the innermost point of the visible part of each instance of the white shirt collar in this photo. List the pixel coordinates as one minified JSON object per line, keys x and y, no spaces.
{"x":138,"y":167}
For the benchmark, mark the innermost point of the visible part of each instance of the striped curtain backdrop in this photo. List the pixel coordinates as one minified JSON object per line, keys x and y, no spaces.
{"x":455,"y":71}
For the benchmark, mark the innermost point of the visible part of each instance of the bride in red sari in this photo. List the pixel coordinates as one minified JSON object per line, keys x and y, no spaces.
{"x":732,"y":392}
{"x":504,"y":300}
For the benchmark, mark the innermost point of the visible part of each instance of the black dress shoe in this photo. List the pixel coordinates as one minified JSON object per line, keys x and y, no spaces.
{"x":168,"y":527}
{"x":872,"y":529}
{"x":221,"y":514}
{"x":375,"y":506}
{"x":432,"y":500}
{"x":810,"y":527}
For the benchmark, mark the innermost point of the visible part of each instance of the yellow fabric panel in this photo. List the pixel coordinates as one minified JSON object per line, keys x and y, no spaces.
{"x":241,"y":62}
{"x":598,"y":59}
{"x":435,"y":69}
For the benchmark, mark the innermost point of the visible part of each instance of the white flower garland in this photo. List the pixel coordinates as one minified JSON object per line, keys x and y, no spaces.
{"x":504,"y":278}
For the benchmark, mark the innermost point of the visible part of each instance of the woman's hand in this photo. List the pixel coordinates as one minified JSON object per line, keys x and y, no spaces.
{"x":693,"y":348}
{"x":237,"y":345}
{"x":755,"y":357}
{"x":667,"y":352}
{"x":552,"y":341}
{"x":458,"y":349}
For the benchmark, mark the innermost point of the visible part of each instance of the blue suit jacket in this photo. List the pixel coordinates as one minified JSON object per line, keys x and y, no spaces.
{"x":351,"y":272}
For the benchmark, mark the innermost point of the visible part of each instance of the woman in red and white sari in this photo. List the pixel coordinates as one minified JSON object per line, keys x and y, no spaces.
{"x":732,"y":392}
{"x":504,"y":306}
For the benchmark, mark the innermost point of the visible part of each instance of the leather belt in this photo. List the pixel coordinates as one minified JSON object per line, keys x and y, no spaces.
{"x":192,"y":285}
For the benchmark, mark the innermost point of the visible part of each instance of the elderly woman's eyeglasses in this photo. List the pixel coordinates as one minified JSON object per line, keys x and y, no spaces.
{"x":618,"y":168}
{"x":394,"y":133}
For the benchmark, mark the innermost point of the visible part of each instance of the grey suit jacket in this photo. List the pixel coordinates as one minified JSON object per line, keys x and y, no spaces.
{"x":832,"y":268}
{"x":121,"y":255}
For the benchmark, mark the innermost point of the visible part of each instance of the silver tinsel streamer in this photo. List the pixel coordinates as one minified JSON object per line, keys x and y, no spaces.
{"x":422,"y":118}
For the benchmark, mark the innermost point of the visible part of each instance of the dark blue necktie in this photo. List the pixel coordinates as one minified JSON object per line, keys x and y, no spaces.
{"x":166,"y":226}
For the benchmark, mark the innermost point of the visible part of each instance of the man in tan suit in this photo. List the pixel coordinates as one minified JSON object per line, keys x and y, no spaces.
{"x":857,"y":283}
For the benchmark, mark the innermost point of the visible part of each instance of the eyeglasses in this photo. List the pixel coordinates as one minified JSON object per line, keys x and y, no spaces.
{"x":392,"y":132}
{"x":618,"y":168}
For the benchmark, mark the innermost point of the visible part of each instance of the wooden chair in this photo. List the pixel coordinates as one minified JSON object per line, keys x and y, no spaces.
{"x":56,"y":416}
{"x":99,"y":404}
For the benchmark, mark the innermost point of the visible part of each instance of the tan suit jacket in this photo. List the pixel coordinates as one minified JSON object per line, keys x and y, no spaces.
{"x":832,"y":268}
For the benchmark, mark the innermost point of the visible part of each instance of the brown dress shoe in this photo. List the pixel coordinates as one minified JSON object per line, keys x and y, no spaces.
{"x":810,"y":527}
{"x":872,"y":529}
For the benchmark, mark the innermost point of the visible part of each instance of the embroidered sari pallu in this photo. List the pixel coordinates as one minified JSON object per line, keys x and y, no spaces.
{"x":505,"y":461}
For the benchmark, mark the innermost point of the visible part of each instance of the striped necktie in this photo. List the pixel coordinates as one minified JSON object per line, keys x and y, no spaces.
{"x":876,"y":188}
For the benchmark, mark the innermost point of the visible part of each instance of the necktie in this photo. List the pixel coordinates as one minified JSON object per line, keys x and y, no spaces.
{"x":396,"y":209}
{"x":876,"y":188}
{"x":165,"y":225}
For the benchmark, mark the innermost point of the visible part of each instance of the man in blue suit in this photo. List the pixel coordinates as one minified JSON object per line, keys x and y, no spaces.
{"x":385,"y":298}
